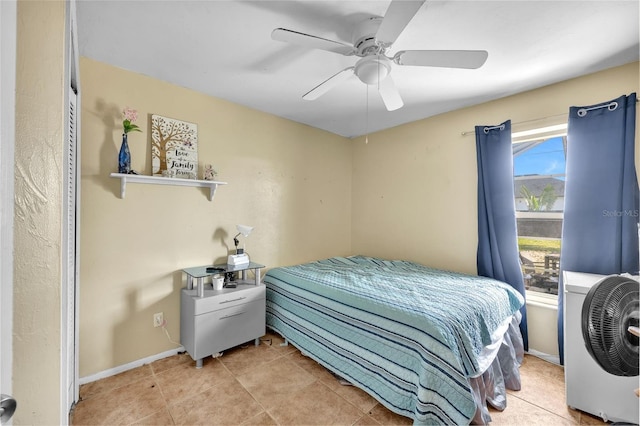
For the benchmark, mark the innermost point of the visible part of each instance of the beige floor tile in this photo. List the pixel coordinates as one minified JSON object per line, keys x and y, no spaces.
{"x":270,"y":385}
{"x":315,"y":369}
{"x":315,"y":404}
{"x":170,"y":362}
{"x":543,"y":385}
{"x":275,"y":382}
{"x":384,"y":416}
{"x":185,"y":380}
{"x":160,"y":418}
{"x":366,"y":420}
{"x":243,"y":358}
{"x":519,"y":412}
{"x":262,"y":419}
{"x":123,"y":405}
{"x":99,"y":386}
{"x":275,"y":342}
{"x":357,"y":397}
{"x":227,"y":404}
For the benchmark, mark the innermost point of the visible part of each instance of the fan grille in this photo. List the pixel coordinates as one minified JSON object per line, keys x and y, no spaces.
{"x":611,"y":306}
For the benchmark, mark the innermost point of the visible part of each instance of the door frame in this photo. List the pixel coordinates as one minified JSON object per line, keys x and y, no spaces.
{"x":8,"y":36}
{"x":69,"y":360}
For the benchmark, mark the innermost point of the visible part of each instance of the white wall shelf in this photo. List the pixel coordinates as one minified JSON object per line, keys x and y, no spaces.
{"x":159,"y":180}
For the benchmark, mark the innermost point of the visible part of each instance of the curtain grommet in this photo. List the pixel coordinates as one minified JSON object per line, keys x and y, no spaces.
{"x":500,"y":127}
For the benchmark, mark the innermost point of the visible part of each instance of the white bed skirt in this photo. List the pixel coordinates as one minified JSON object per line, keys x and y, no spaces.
{"x":503,"y":372}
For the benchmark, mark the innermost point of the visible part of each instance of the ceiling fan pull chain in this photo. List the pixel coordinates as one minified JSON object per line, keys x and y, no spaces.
{"x":366,"y":125}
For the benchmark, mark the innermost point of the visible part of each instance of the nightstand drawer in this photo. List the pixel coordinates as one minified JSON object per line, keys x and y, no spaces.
{"x":244,"y":293}
{"x":225,"y":328}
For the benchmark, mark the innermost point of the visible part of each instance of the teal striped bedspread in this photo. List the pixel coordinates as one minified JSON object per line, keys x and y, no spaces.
{"x":407,"y":334}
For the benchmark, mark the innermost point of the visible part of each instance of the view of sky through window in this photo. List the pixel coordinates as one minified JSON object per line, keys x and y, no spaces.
{"x":546,"y":158}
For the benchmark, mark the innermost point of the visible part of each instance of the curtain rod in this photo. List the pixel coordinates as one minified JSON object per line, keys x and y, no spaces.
{"x":611,"y":106}
{"x":468,"y":132}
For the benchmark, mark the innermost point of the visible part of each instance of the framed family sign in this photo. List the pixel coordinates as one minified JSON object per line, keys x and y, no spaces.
{"x":174,"y":148}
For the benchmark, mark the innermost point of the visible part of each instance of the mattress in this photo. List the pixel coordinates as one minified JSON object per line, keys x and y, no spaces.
{"x":413,"y":337}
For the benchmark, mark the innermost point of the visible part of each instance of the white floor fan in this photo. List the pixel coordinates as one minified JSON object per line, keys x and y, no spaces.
{"x":370,"y":42}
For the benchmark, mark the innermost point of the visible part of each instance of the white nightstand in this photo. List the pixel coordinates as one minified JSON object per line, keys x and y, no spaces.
{"x":212,"y":321}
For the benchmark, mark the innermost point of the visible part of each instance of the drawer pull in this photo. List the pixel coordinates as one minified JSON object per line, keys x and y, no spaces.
{"x":232,"y":300}
{"x":232,"y":315}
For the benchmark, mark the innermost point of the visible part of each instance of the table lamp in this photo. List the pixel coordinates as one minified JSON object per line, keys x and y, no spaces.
{"x":244,"y":230}
{"x":240,"y":257}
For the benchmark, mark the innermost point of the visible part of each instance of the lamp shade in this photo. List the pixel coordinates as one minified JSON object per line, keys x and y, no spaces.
{"x":244,"y":229}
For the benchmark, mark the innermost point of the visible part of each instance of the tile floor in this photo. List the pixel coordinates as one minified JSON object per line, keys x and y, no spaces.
{"x":276,"y":385}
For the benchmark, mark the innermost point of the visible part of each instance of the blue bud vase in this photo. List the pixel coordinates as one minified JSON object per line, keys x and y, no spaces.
{"x":124,"y":158}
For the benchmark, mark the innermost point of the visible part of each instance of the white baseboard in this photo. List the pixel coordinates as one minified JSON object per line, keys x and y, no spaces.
{"x":130,"y":366}
{"x":549,"y":358}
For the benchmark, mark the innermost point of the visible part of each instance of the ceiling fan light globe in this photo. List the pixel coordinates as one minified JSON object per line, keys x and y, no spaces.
{"x":372,"y":69}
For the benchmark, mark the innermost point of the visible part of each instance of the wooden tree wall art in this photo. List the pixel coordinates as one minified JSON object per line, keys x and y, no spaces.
{"x":174,"y":147}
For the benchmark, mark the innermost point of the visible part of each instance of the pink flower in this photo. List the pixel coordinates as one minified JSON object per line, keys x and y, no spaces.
{"x":130,"y":115}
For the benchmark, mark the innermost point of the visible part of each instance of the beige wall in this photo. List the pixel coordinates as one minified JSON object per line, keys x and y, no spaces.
{"x":39,"y":151}
{"x":290,"y":181}
{"x":414,"y":186}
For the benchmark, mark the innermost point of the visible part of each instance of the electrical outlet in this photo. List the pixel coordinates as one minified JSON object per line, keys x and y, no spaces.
{"x":158,"y":319}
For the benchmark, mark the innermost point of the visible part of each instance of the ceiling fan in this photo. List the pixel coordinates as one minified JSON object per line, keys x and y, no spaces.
{"x":371,"y":40}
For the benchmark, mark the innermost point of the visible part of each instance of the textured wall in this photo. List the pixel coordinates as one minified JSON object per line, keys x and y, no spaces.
{"x":290,"y":181}
{"x":414,"y":186}
{"x":38,"y":209}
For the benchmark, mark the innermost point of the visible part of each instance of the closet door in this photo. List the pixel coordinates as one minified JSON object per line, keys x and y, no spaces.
{"x":69,"y":390}
{"x":8,"y":16}
{"x":69,"y":370}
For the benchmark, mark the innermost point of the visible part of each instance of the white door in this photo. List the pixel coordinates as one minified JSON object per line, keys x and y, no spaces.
{"x":7,"y":143}
{"x":69,"y":288}
{"x":68,"y":359}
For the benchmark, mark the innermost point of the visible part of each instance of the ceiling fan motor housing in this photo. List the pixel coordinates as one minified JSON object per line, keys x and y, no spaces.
{"x":364,"y":37}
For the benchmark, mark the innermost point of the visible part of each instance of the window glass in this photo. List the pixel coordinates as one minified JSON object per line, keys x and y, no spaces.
{"x":539,"y":178}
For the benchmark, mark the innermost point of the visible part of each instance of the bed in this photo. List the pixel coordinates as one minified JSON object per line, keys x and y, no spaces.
{"x":432,"y":345}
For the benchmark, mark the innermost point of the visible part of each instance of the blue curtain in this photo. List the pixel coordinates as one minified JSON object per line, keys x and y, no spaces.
{"x":600,"y":227}
{"x":497,"y":237}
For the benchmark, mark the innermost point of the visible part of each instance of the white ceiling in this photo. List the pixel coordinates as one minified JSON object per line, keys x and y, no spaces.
{"x":224,"y":49}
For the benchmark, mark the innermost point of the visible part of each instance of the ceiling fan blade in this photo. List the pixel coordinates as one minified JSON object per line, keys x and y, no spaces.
{"x":389,"y":94}
{"x":314,"y":42}
{"x":470,"y":59}
{"x":398,"y":15}
{"x":328,"y":84}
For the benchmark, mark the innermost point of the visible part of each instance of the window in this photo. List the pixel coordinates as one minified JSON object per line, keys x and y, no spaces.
{"x":539,"y":177}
